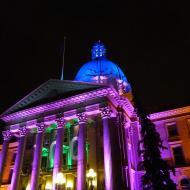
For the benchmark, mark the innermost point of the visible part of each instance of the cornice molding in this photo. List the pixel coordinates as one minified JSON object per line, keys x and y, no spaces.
{"x":170,"y":113}
{"x":108,"y":92}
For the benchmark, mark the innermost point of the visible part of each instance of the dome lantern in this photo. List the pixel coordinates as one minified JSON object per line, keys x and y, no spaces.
{"x":98,"y":50}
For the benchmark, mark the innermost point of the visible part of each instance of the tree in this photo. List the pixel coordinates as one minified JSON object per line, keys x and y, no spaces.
{"x":157,"y":171}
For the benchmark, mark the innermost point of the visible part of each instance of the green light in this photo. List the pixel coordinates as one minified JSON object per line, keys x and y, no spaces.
{"x":45,"y":152}
{"x":52,"y":152}
{"x":33,"y":130}
{"x":74,"y":121}
{"x":90,"y":123}
{"x":51,"y":127}
{"x":69,"y":157}
{"x":68,"y":125}
{"x":69,"y":160}
{"x":65,"y":149}
{"x":87,"y":151}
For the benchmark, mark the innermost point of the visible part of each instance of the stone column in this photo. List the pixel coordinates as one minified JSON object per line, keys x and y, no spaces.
{"x":58,"y":150}
{"x":81,"y":161}
{"x":36,"y":164}
{"x":134,"y":135}
{"x":108,"y":170}
{"x":19,"y":159}
{"x":121,"y":120}
{"x":6,"y":136}
{"x":128,"y":133}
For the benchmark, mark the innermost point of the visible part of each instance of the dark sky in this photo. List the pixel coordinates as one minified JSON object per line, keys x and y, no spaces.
{"x":149,"y":40}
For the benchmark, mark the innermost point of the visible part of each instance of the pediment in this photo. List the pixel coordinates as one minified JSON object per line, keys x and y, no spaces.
{"x":52,"y":90}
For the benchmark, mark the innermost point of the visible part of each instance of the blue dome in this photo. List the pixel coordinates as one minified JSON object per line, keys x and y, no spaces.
{"x":100,"y":69}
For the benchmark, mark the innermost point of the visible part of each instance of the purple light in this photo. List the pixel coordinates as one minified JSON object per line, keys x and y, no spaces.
{"x":110,"y":93}
{"x":81,"y":162}
{"x":107,"y":155}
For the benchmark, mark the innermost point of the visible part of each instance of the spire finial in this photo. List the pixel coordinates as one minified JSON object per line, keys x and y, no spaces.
{"x":98,"y":50}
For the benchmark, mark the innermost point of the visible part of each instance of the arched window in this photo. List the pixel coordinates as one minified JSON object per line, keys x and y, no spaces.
{"x":51,"y":154}
{"x":45,"y":153}
{"x":185,"y":183}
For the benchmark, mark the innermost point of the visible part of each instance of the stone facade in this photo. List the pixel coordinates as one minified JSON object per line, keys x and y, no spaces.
{"x":78,"y":135}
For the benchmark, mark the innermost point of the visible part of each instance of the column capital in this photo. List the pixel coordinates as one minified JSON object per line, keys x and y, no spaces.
{"x":82,"y":117}
{"x":105,"y":112}
{"x":22,"y":131}
{"x":6,"y":135}
{"x":41,"y":127}
{"x":60,"y":122}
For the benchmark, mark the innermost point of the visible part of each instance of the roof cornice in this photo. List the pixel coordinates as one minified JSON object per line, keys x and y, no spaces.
{"x":170,"y":113}
{"x":108,"y":92}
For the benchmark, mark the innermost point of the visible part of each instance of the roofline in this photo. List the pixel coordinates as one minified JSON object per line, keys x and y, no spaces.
{"x":170,"y":113}
{"x":109,"y":92}
{"x":66,"y":81}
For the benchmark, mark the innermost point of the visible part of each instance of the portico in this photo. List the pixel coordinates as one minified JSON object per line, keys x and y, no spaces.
{"x":94,"y":104}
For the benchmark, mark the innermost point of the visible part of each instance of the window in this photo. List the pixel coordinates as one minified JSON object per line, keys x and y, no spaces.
{"x":64,"y":159}
{"x":185,"y":182}
{"x":47,"y":141}
{"x":172,"y":130}
{"x":14,"y":157}
{"x":44,"y":162}
{"x":178,"y":156}
{"x":65,"y":136}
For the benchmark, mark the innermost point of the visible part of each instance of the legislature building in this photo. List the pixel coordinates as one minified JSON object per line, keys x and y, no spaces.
{"x":83,"y":134}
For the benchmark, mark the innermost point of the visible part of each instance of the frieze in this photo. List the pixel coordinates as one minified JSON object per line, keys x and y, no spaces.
{"x":109,"y":92}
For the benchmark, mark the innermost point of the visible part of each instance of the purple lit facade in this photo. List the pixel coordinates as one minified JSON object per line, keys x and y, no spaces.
{"x":95,"y":127}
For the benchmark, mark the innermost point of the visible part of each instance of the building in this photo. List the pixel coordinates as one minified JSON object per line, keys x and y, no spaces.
{"x":83,"y":134}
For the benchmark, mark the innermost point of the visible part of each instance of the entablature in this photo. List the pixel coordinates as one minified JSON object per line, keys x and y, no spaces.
{"x":91,"y":101}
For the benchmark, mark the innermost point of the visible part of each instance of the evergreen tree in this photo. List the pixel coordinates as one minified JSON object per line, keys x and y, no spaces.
{"x":157,"y":171}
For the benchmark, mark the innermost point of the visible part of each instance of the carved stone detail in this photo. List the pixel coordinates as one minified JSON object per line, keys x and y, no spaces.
{"x":22,"y":131}
{"x":7,"y":135}
{"x":131,"y":128}
{"x":73,"y":100}
{"x":82,"y":117}
{"x":41,"y":127}
{"x":60,"y":122}
{"x":105,"y":112}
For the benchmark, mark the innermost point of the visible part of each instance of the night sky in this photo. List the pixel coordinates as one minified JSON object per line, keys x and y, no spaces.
{"x":149,"y":40}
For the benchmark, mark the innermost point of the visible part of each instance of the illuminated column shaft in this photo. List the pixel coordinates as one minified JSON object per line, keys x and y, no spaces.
{"x":134,"y":138}
{"x":58,"y":151}
{"x":128,"y":145}
{"x":81,"y":162}
{"x":19,"y":160}
{"x":108,"y":170}
{"x":37,"y":158}
{"x":3,"y":154}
